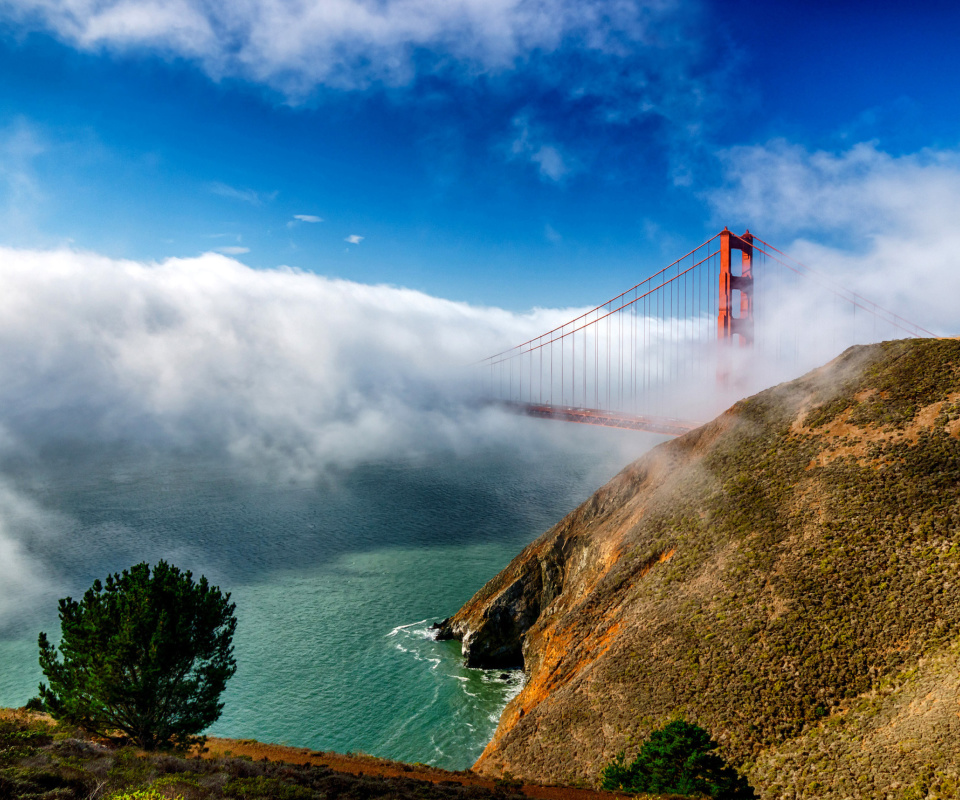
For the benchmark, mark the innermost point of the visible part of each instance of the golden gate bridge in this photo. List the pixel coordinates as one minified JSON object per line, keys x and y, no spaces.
{"x":644,"y":357}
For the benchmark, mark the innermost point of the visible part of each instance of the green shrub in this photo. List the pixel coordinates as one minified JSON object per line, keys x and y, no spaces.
{"x":677,"y":759}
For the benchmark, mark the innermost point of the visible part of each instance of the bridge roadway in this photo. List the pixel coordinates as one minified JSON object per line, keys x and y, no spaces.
{"x":611,"y":419}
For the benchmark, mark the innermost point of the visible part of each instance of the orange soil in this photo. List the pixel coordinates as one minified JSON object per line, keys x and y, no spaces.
{"x":380,"y":767}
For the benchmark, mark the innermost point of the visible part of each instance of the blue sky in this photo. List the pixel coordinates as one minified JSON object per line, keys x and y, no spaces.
{"x":510,"y":153}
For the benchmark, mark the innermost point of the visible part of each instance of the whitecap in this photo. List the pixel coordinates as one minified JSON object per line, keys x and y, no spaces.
{"x":399,"y":628}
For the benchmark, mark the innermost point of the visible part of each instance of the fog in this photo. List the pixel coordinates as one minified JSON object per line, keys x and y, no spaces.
{"x":273,"y":367}
{"x":117,"y":373}
{"x":289,"y":379}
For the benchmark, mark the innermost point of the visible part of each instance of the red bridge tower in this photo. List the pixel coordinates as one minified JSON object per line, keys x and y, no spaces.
{"x":728,"y":325}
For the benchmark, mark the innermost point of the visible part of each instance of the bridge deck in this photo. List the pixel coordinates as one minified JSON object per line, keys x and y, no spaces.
{"x":610,"y":419}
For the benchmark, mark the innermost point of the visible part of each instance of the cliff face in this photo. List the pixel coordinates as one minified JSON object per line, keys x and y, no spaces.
{"x":787,"y":576}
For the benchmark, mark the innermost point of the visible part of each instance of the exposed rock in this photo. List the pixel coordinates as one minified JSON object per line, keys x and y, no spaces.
{"x":765,"y":576}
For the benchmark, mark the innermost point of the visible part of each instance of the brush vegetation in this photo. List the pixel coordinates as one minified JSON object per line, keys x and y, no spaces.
{"x":40,"y":760}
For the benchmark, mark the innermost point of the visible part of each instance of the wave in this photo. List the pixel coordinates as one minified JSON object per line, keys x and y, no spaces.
{"x":466,"y":703}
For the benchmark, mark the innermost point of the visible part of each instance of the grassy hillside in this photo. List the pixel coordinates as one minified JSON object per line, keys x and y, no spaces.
{"x":788,"y":576}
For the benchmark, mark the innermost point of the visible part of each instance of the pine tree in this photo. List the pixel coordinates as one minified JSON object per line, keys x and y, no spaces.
{"x":145,"y":654}
{"x":680,"y":759}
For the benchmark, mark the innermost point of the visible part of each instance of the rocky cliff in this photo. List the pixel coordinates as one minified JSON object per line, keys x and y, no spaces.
{"x":787,"y":576}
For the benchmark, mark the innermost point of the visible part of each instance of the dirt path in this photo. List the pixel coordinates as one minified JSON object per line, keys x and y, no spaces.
{"x":369,"y":765}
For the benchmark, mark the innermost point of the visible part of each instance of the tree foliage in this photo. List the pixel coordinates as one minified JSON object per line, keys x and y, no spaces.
{"x":680,"y":759}
{"x":146,"y":653}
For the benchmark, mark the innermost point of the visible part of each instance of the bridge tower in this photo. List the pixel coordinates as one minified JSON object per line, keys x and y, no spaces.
{"x":728,"y":325}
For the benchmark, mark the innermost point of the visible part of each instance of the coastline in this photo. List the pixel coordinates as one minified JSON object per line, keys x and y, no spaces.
{"x":357,"y":764}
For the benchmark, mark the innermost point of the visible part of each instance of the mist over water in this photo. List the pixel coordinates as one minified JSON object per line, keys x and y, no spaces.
{"x":336,"y":580}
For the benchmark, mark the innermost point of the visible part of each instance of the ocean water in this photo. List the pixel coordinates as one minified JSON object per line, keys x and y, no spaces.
{"x":336,"y":580}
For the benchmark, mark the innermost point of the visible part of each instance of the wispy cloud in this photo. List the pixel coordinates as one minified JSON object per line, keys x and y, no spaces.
{"x":235,"y":250}
{"x":551,"y":164}
{"x":24,"y":577}
{"x":551,"y":234}
{"x":301,"y":218}
{"x":354,"y":239}
{"x":20,"y":193}
{"x":345,"y":43}
{"x":243,"y":195}
{"x":602,"y":81}
{"x":882,"y":224}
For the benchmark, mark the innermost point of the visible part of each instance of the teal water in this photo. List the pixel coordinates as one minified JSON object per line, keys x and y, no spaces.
{"x":336,"y":581}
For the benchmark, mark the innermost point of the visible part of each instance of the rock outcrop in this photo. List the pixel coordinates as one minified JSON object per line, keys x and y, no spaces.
{"x":787,"y":576}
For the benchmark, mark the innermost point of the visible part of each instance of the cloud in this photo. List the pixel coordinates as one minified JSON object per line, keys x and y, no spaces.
{"x":276,"y":374}
{"x":610,"y":85}
{"x":551,"y":163}
{"x":243,"y":195}
{"x":344,"y":43}
{"x":20,"y":194}
{"x":354,"y":239}
{"x":273,"y":366}
{"x":233,"y":250}
{"x":299,"y":218}
{"x":880,"y":224}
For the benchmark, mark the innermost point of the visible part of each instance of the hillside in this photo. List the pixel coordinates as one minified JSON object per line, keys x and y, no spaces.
{"x":787,"y":576}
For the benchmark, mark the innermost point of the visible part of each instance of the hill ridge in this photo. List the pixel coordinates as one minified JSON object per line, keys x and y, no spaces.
{"x":814,"y":533}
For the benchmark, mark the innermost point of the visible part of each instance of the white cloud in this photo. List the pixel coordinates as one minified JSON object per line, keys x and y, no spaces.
{"x":883,"y":225}
{"x":586,"y":72}
{"x":346,"y":43}
{"x":272,"y":366}
{"x":234,"y":250}
{"x":354,"y":239}
{"x":243,"y":195}
{"x":307,"y":218}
